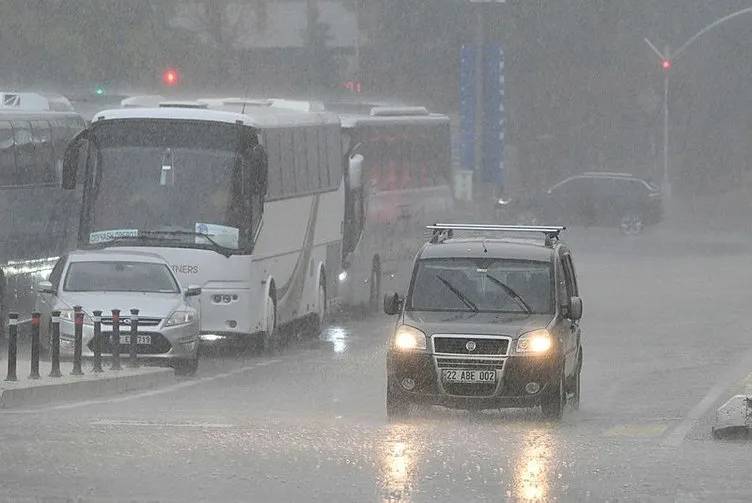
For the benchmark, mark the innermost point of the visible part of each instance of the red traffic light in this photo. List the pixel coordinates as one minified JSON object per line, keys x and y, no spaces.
{"x":171,"y":77}
{"x":666,"y":64}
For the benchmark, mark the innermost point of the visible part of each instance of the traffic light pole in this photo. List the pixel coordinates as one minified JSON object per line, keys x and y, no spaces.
{"x":667,"y":62}
{"x":666,"y":160}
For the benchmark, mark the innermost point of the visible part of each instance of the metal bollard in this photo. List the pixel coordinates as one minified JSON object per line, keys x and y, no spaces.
{"x":78,"y":341}
{"x":132,"y":361}
{"x":115,"y":340}
{"x":35,"y":321}
{"x":97,"y":318}
{"x":55,"y":349}
{"x":12,"y":346}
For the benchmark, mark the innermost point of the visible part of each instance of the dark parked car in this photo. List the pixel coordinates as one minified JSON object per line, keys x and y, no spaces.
{"x":487,"y":323}
{"x":591,"y":199}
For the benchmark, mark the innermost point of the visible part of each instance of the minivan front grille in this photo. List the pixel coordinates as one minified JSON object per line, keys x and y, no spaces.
{"x":471,"y":345}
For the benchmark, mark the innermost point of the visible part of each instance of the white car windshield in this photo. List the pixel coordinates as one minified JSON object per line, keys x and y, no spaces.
{"x":119,"y":276}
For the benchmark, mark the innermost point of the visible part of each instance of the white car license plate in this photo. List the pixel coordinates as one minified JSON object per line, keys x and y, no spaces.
{"x":468,"y":376}
{"x":141,"y":339}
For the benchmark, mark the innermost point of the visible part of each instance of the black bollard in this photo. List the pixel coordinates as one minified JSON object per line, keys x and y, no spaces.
{"x":132,"y":361}
{"x":12,"y":346}
{"x":35,"y":321}
{"x":55,"y":343}
{"x":97,"y":318}
{"x":78,"y":341}
{"x":115,"y":340}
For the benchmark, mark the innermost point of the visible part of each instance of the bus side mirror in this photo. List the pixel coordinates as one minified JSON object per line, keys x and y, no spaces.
{"x":355,"y":171}
{"x":71,"y":159}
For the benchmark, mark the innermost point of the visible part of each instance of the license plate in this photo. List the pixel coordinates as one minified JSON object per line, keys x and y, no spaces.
{"x":468,"y":376}
{"x":141,"y":339}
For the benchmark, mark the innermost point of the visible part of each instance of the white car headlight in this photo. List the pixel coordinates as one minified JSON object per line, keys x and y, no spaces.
{"x":407,"y":338}
{"x":181,"y":317}
{"x":536,"y":342}
{"x":70,"y":315}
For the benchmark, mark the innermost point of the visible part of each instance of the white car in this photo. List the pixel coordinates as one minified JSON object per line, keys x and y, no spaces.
{"x":168,"y":318}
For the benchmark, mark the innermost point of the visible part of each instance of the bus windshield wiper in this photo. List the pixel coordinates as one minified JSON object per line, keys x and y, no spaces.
{"x":139,"y":237}
{"x":459,"y":294}
{"x":509,"y":291}
{"x":222,"y":250}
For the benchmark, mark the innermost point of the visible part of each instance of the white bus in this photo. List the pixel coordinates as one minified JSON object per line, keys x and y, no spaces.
{"x":248,"y":206}
{"x":37,"y":218}
{"x":399,"y":181}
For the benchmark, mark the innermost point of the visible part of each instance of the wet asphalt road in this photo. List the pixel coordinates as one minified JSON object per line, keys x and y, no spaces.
{"x":666,"y":338}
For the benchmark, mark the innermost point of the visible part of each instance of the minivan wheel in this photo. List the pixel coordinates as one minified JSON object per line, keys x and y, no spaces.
{"x":552,"y":404}
{"x":576,"y":390}
{"x":396,"y":406}
{"x":631,"y":224}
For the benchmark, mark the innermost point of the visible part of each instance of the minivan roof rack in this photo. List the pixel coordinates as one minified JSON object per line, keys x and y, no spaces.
{"x":442,"y":232}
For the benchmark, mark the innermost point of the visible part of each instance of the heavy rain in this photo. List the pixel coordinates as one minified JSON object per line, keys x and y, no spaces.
{"x":383,"y":250}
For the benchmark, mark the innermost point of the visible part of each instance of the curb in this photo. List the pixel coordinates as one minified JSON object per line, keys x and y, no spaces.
{"x":34,"y":394}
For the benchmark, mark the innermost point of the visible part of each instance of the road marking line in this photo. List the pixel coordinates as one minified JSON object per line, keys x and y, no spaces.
{"x":143,"y":394}
{"x":727,"y":380}
{"x":637,"y":430}
{"x":136,"y":422}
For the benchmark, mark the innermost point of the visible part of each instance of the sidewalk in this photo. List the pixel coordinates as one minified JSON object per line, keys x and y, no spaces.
{"x":27,"y":392}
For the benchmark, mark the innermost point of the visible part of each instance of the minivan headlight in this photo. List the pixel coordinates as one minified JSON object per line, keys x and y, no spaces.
{"x":407,"y":338}
{"x":535,"y":342}
{"x":181,"y":317}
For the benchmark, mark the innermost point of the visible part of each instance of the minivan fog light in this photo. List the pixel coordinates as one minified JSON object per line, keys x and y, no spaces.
{"x":532,"y":387}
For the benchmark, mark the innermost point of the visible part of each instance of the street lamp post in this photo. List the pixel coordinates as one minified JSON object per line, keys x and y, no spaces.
{"x":667,"y":58}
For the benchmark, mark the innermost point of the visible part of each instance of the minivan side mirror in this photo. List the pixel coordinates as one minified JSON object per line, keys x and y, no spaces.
{"x":193,"y":291}
{"x":45,"y":287}
{"x":393,"y":303}
{"x":575,"y":308}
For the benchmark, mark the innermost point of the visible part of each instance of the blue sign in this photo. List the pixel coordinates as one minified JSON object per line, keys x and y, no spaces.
{"x":493,"y":114}
{"x":493,"y":118}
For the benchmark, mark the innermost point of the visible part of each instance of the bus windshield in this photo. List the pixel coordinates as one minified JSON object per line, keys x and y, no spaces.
{"x":168,"y":175}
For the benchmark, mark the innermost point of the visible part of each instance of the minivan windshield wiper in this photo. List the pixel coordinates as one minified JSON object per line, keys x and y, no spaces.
{"x":512,"y":294}
{"x":457,"y":293}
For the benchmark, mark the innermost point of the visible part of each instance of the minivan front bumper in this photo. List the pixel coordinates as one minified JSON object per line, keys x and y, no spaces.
{"x":513,"y":375}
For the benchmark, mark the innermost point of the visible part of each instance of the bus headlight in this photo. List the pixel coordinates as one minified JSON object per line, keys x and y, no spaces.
{"x":408,"y":338}
{"x":536,"y":342}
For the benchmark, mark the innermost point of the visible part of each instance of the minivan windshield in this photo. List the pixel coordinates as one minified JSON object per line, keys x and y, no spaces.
{"x":119,"y":276}
{"x":482,"y":285}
